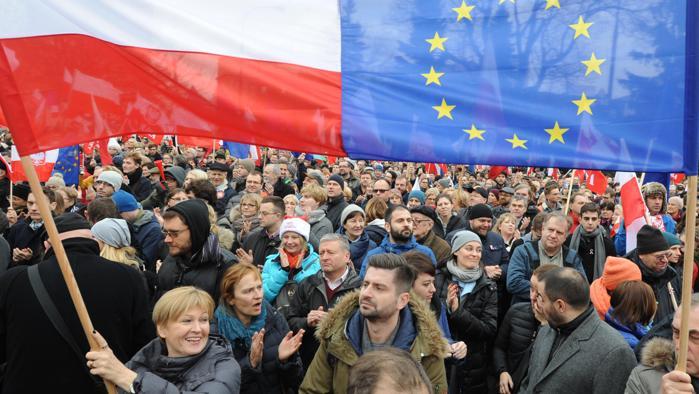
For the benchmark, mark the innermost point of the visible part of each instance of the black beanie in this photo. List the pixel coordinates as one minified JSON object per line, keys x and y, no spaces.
{"x":196,"y":217}
{"x":650,"y":240}
{"x":337,"y":178}
{"x":480,"y":211}
{"x":71,"y":221}
{"x":427,"y":211}
{"x":21,"y":190}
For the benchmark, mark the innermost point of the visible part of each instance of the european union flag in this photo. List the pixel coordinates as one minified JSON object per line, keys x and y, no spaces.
{"x":603,"y":84}
{"x":236,"y":149}
{"x":67,"y":164}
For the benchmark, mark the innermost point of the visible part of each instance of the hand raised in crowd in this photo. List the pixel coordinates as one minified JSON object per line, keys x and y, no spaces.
{"x":158,"y":264}
{"x":315,"y":316}
{"x":676,"y":382}
{"x":453,"y":297}
{"x":458,"y":350}
{"x":104,"y":363}
{"x":290,"y":345}
{"x":11,"y":216}
{"x":158,"y":215}
{"x":525,"y":223}
{"x":283,"y":258}
{"x":256,"y":348}
{"x":269,"y":188}
{"x":493,"y":271}
{"x":243,"y":256}
{"x":506,"y":384}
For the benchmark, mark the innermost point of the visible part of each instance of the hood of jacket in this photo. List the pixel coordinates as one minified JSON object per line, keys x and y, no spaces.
{"x":418,"y":332}
{"x":176,"y":172}
{"x":659,"y":353}
{"x":390,"y":247}
{"x":143,"y":219}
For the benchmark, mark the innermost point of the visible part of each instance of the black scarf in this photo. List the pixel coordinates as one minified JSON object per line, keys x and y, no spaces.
{"x":135,"y":176}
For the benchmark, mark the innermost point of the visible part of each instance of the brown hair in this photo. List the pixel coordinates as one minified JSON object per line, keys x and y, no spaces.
{"x":233,"y":275}
{"x":420,"y":263}
{"x":542,"y":269}
{"x":391,"y":365}
{"x":375,"y":209}
{"x":136,"y":157}
{"x":315,"y":192}
{"x":633,"y":302}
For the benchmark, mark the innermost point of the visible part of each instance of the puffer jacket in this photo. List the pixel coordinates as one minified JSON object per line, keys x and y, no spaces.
{"x":320,"y":225}
{"x":340,"y":345}
{"x":334,"y":208}
{"x":475,"y":323}
{"x":387,"y":246}
{"x":513,"y":343}
{"x":657,"y":359}
{"x":274,"y":276}
{"x":203,"y":270}
{"x":212,"y":371}
{"x":358,"y":248}
{"x":376,"y":231}
{"x":632,"y":334}
{"x":271,"y":375}
{"x":309,"y":296}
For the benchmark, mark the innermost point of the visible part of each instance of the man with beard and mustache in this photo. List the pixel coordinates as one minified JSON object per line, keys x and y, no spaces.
{"x":400,"y":239}
{"x":380,"y":315}
{"x":577,"y":352}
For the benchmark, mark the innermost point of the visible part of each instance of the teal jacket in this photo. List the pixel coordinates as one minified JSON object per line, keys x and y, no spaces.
{"x":274,"y":276}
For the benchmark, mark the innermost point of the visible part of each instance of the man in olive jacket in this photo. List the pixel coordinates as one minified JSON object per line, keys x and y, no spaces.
{"x":381,"y":314}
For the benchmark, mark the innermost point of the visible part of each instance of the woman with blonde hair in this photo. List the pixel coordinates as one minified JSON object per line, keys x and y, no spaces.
{"x":184,"y":358}
{"x":245,"y":217}
{"x":506,"y":226}
{"x":194,"y":175}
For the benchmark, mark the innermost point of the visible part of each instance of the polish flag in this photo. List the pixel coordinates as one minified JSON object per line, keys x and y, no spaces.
{"x":596,"y":181}
{"x":8,"y":167}
{"x":677,"y":178}
{"x":553,"y":173}
{"x":496,"y":170}
{"x":436,"y":168}
{"x":43,"y":162}
{"x":633,"y":205}
{"x":234,"y":70}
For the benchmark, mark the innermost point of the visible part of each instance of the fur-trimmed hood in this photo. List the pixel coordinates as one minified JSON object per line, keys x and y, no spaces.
{"x":652,"y":188}
{"x":659,"y":353}
{"x":428,"y":333}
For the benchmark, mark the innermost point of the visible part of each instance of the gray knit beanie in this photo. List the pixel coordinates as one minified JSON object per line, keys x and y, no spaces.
{"x":462,"y":238}
{"x":113,"y":232}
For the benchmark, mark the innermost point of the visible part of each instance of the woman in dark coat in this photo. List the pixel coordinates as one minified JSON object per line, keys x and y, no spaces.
{"x":471,"y":299}
{"x":516,"y":337}
{"x":353,"y":226}
{"x":448,"y":220}
{"x":262,"y":342}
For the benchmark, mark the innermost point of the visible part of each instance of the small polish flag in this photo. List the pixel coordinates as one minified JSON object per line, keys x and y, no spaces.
{"x":43,"y":162}
{"x":633,"y":205}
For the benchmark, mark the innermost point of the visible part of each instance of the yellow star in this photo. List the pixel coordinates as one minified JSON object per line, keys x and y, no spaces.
{"x":593,"y":65}
{"x":516,"y":142}
{"x":464,"y":11}
{"x":584,"y":104}
{"x":503,"y":1}
{"x":556,"y":133}
{"x":474,"y":133}
{"x":444,"y":110}
{"x":436,"y":42}
{"x":581,"y":28}
{"x":552,"y":3}
{"x":432,"y":77}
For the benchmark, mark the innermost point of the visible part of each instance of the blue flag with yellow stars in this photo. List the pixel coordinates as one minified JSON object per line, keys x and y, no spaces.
{"x":68,"y":164}
{"x":606,"y":84}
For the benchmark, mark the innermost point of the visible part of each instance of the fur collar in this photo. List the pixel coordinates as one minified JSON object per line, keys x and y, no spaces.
{"x":428,"y":330}
{"x":659,"y":353}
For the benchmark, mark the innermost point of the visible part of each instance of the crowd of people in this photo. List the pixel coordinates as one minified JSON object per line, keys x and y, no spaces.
{"x":206,"y":273}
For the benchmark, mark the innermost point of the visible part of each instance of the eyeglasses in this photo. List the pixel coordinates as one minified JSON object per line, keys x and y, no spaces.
{"x":662,"y":256}
{"x":420,"y":221}
{"x":173,"y":233}
{"x":380,"y":190}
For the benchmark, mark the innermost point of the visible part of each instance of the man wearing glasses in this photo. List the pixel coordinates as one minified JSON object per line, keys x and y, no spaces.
{"x":652,"y":257}
{"x":381,"y":188}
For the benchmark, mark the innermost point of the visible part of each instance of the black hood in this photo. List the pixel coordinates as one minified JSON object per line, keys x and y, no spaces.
{"x":196,"y":217}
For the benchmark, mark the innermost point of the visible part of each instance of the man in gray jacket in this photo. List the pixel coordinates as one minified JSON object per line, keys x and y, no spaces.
{"x":577,"y":352}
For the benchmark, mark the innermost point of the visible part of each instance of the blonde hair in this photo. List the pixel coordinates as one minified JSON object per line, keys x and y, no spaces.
{"x":315,"y":192}
{"x":290,"y":197}
{"x":253,"y":198}
{"x":125,"y":255}
{"x":198,"y":174}
{"x":178,"y":301}
{"x":502,"y":219}
{"x":112,"y":168}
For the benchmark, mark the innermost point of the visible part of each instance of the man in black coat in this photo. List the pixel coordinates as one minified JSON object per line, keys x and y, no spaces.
{"x":318,"y":293}
{"x":591,"y":242}
{"x":264,"y":240}
{"x":336,"y":200}
{"x":38,"y":359}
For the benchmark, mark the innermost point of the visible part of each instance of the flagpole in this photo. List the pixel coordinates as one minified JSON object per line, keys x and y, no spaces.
{"x":690,"y":231}
{"x":570,"y":192}
{"x":643,"y":176}
{"x":62,"y":258}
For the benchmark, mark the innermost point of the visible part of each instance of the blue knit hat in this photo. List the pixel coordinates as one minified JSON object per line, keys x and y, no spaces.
{"x":419,"y":194}
{"x":124,"y":201}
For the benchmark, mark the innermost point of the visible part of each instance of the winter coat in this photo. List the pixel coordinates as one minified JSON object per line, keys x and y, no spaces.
{"x":586,"y":251}
{"x":140,"y":186}
{"x":387,"y":247}
{"x":222,"y":202}
{"x":525,"y":260}
{"x":274,"y":276}
{"x":271,"y":376}
{"x":631,"y":334}
{"x":282,"y":188}
{"x":261,"y":245}
{"x":204,"y":269}
{"x":358,"y":248}
{"x":593,"y":359}
{"x":22,"y":236}
{"x":495,"y":253}
{"x":657,"y":359}
{"x":620,"y":237}
{"x":212,"y":371}
{"x":455,"y":223}
{"x":475,"y":323}
{"x":320,"y":225}
{"x":440,"y":248}
{"x":659,"y":285}
{"x":148,"y":238}
{"x":335,"y":206}
{"x":514,"y":341}
{"x":5,"y":255}
{"x":376,"y":230}
{"x":309,"y":296}
{"x":340,"y":336}
{"x":116,"y":302}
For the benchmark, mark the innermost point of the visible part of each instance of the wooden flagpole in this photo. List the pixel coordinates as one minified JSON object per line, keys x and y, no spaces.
{"x":62,"y":258}
{"x":570,"y":192}
{"x":690,"y":231}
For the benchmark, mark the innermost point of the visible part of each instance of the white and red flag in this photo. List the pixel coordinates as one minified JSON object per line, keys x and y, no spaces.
{"x":634,"y":206}
{"x":596,"y":181}
{"x":43,"y":162}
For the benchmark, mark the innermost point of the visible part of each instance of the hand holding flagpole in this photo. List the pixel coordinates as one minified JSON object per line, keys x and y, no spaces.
{"x":688,"y":264}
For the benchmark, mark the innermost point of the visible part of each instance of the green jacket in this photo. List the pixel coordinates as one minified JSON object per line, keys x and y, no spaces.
{"x":329,"y":371}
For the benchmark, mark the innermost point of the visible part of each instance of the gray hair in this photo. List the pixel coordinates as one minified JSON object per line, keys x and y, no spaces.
{"x":556,"y":216}
{"x":339,"y":238}
{"x":678,"y":200}
{"x":523,"y":199}
{"x":275,"y":169}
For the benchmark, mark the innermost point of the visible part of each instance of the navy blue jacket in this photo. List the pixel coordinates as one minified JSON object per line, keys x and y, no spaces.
{"x":388,"y":247}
